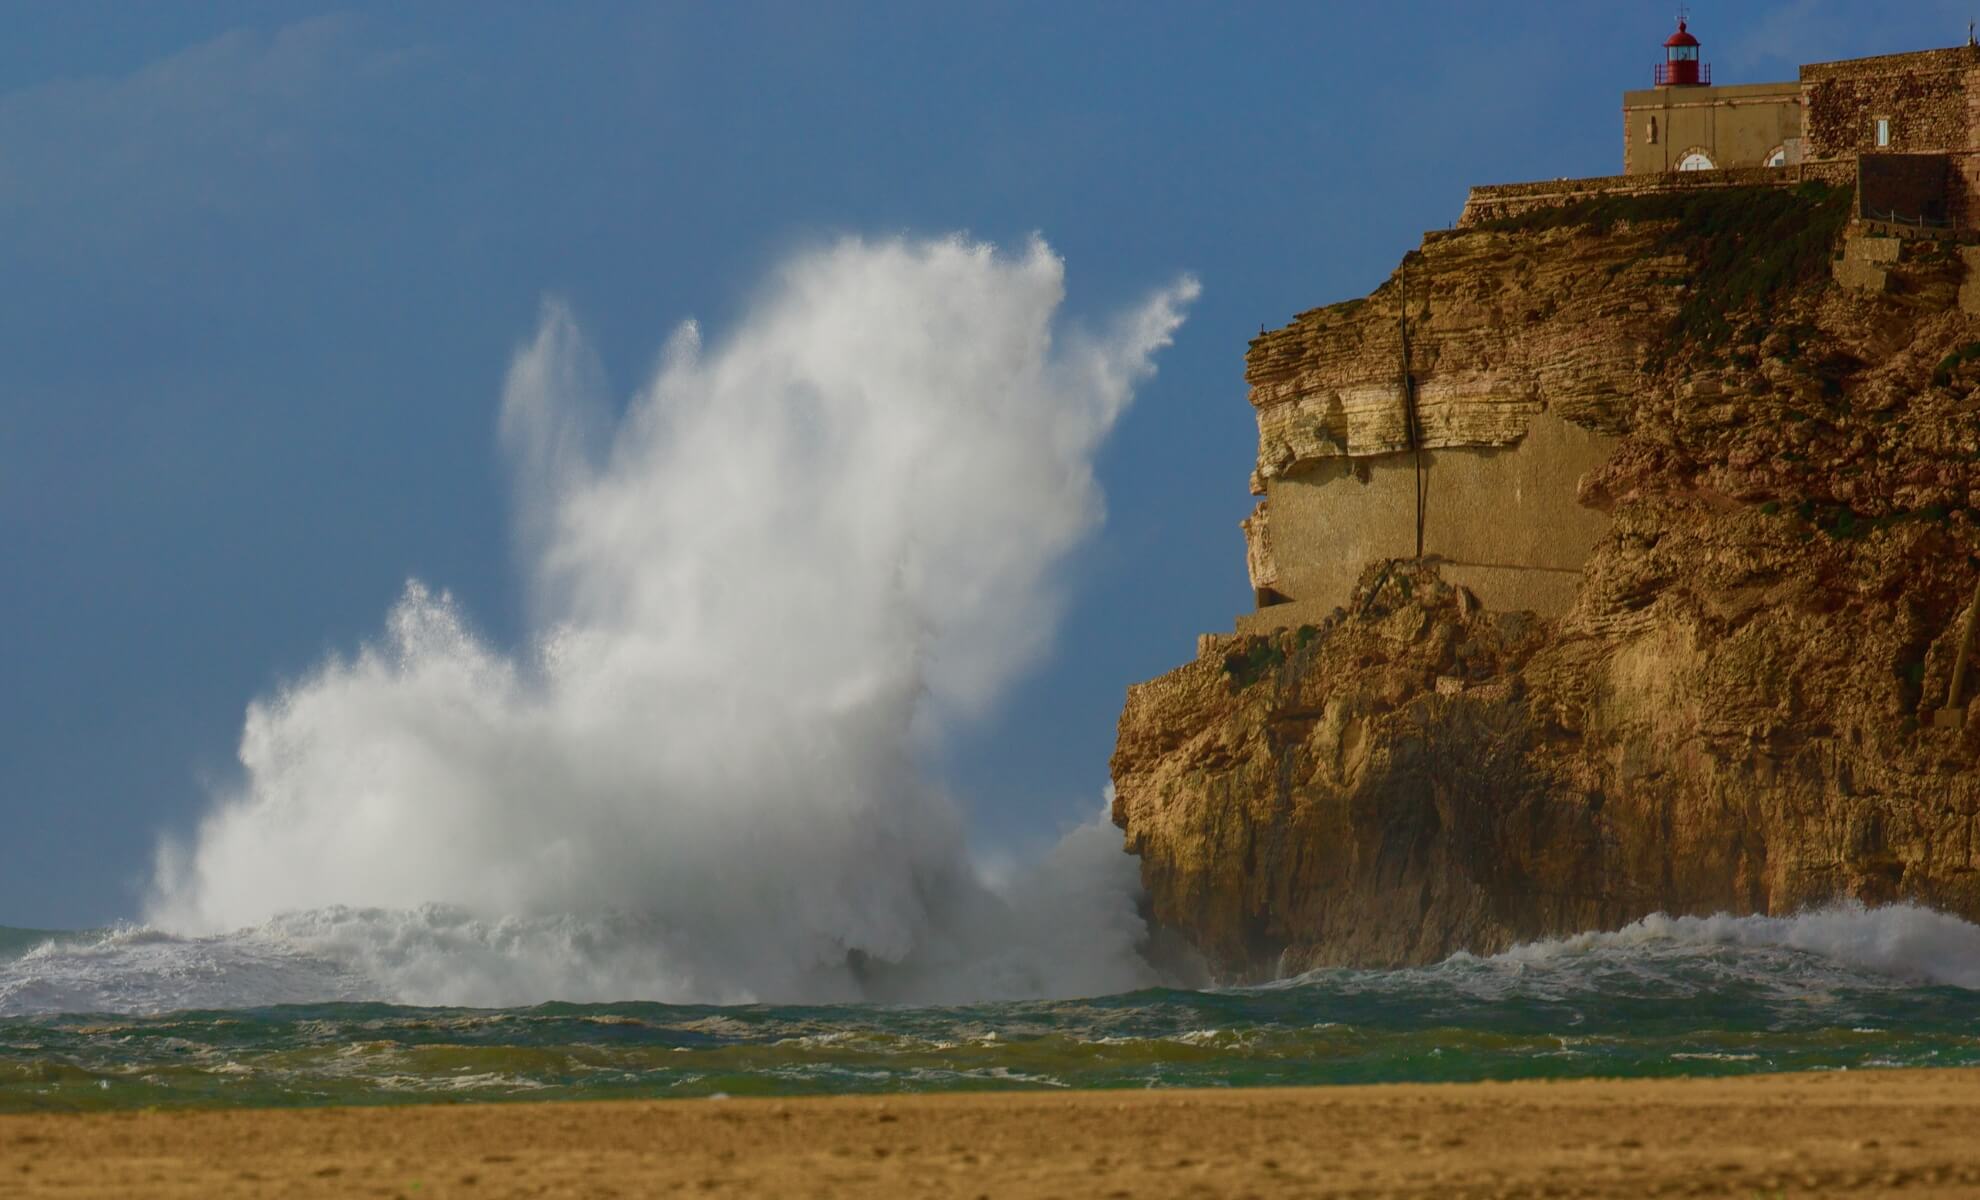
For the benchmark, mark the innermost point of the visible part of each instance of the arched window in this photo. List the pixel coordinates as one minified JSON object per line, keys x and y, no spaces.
{"x":1777,"y":157}
{"x":1696,"y":160}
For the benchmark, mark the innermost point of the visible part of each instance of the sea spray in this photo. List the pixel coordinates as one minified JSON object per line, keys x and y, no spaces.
{"x":799,"y":558}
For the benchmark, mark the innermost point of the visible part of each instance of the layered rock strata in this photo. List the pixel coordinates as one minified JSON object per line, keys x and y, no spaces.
{"x":1735,"y":714}
{"x":1502,"y":325}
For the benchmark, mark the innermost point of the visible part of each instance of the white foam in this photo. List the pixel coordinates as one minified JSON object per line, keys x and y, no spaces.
{"x":1904,"y":942}
{"x":1809,"y":958}
{"x":436,"y":955}
{"x":143,"y":970}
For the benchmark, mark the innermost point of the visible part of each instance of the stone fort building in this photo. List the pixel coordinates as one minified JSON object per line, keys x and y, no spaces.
{"x":1426,"y":415}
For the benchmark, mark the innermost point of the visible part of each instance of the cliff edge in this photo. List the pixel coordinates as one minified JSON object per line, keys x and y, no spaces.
{"x":1736,"y":712}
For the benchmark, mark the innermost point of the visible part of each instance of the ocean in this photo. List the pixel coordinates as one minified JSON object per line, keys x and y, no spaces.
{"x":134,"y":1018}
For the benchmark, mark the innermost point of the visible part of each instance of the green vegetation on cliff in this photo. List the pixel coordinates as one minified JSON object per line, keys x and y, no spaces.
{"x":1747,"y":245}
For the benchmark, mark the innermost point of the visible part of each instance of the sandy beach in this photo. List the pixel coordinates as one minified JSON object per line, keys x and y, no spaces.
{"x":1910,"y":1133}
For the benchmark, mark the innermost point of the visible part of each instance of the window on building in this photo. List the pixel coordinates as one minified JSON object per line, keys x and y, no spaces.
{"x":1650,"y":132}
{"x":1695,"y":160}
{"x":1883,"y":131}
{"x":1777,"y":157}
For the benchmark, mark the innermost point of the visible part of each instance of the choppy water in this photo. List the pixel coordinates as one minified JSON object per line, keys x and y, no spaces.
{"x":1845,"y":989}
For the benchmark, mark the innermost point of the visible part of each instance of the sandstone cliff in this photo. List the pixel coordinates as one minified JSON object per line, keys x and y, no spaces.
{"x":1737,"y":712}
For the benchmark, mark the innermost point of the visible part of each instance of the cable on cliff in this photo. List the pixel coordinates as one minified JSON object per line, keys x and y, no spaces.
{"x":1412,"y":428}
{"x":1953,"y":715}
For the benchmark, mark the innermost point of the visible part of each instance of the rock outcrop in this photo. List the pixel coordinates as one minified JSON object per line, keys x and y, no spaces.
{"x":1737,"y":713}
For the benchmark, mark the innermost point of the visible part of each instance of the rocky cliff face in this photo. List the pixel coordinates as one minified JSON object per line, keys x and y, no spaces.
{"x":1738,"y":712}
{"x":1502,"y":324}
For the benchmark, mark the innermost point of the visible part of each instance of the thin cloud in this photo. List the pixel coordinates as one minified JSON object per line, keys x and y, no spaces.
{"x":199,"y":132}
{"x":1784,"y":36}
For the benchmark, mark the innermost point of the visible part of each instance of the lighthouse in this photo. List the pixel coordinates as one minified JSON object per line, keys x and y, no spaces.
{"x":1685,"y":122}
{"x":1681,"y":67}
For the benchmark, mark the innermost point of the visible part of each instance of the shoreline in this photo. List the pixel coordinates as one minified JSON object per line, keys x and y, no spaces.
{"x":1911,"y":1132}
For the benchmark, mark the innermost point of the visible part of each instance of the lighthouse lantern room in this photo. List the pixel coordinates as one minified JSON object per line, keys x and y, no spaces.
{"x":1681,"y":67}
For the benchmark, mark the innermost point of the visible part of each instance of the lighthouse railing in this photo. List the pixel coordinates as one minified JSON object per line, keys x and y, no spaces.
{"x":1663,"y":73}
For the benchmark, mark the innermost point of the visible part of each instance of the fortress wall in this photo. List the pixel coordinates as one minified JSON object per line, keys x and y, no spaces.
{"x":1492,"y":202}
{"x":1925,"y":95}
{"x":1505,"y":520}
{"x":1932,"y":100}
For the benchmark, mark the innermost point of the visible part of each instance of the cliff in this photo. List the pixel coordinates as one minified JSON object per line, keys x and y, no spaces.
{"x":1735,"y":713}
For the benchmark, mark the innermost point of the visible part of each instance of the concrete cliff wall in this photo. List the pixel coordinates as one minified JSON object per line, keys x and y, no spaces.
{"x":1504,"y":520}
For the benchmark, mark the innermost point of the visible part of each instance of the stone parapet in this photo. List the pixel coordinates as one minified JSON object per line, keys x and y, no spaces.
{"x":1884,"y":66}
{"x":1499,"y":201}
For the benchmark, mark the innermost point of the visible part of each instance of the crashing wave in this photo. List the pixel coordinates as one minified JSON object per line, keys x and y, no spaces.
{"x":762,"y":597}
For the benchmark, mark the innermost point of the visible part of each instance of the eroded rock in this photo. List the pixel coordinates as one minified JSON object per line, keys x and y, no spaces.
{"x":1735,"y":715}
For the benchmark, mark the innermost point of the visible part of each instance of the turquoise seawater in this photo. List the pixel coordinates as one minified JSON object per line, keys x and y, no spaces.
{"x":1677,"y":998}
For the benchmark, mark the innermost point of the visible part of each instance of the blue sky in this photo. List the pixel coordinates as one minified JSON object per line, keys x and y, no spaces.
{"x":262,"y":267}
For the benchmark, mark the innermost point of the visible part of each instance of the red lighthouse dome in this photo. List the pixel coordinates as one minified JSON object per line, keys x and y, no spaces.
{"x":1681,"y":67}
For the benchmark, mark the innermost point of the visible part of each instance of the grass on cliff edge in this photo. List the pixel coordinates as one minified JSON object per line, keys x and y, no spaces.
{"x":1263,"y":654}
{"x":1748,"y":246}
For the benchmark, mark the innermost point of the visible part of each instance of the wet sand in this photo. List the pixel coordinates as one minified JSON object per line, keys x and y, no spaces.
{"x":1876,"y":1133}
